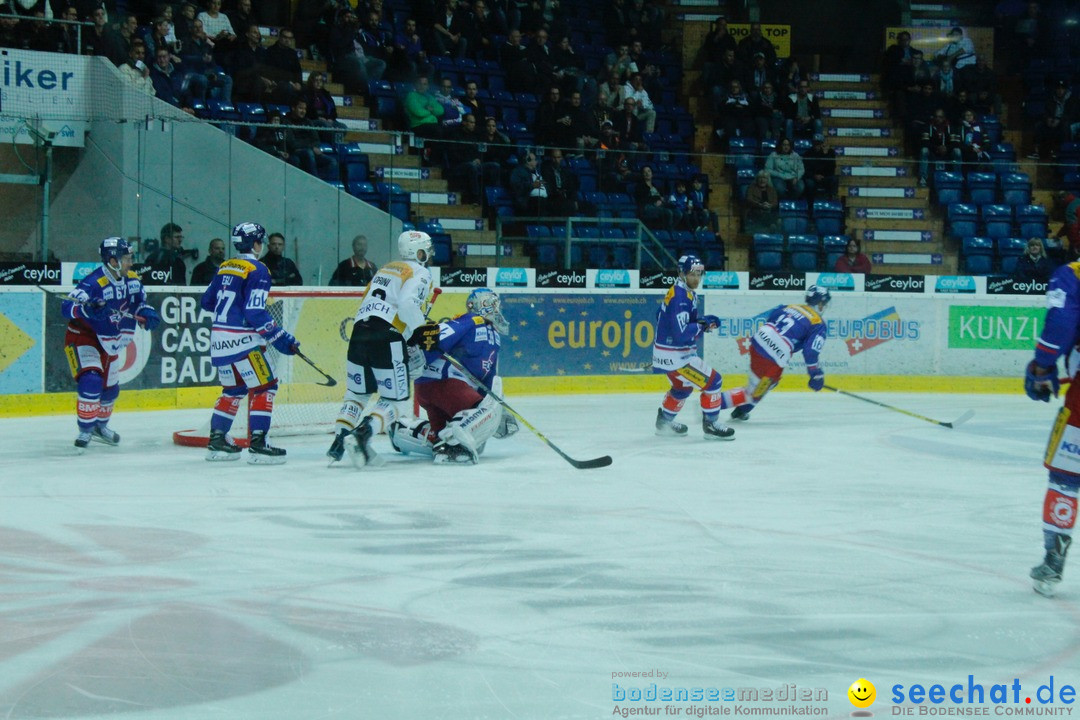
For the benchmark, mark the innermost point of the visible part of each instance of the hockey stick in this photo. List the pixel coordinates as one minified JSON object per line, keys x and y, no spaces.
{"x":962,"y":419}
{"x":330,"y":382}
{"x":599,"y":462}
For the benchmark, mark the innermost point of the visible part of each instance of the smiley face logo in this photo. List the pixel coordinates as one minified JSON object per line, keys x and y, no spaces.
{"x":862,"y":693}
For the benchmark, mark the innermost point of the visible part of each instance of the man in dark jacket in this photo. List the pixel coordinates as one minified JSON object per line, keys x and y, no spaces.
{"x":283,"y":271}
{"x":820,"y":164}
{"x":168,"y":260}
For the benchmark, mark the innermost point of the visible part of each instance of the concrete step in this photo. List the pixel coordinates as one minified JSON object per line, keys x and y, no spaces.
{"x":905,"y":240}
{"x":862,"y":151}
{"x":349,"y":112}
{"x":889,"y":260}
{"x":847,"y":133}
{"x":382,"y":155}
{"x":829,"y":85}
{"x":477,"y":237}
{"x":867,"y":192}
{"x":432,"y":210}
{"x":915,"y":203}
{"x":857,"y":161}
{"x":868,"y":120}
{"x":842,"y":93}
{"x":854,"y":105}
{"x":856,"y":225}
{"x":896,"y":181}
{"x":883,"y":246}
{"x":858,"y":113}
{"x":854,"y":172}
{"x":845,"y":78}
{"x":885,"y":214}
{"x":885,"y":141}
{"x":947,"y":267}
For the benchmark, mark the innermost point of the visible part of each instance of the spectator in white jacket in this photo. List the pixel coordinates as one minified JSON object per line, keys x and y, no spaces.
{"x":644,"y":109}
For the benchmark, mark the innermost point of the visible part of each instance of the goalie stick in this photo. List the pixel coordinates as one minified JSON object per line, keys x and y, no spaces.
{"x":962,"y":419}
{"x":599,"y":462}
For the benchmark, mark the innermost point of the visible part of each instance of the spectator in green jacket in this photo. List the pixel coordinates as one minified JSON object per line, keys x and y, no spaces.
{"x":422,"y":110}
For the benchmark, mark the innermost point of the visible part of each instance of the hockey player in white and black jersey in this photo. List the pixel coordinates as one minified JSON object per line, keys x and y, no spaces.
{"x":390,"y":315}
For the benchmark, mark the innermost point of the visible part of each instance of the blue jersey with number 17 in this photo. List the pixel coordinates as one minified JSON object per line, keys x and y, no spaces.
{"x":237,"y":296}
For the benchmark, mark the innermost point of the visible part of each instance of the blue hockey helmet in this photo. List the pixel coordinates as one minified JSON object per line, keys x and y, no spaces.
{"x":818,"y":297}
{"x":485,"y":303}
{"x":114,"y":247}
{"x":246,"y":234}
{"x":690,"y":263}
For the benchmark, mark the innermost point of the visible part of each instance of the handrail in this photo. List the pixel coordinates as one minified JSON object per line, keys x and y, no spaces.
{"x":646,"y":241}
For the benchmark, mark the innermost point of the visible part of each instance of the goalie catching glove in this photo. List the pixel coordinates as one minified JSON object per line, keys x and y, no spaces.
{"x":1040,"y":382}
{"x":426,"y":337}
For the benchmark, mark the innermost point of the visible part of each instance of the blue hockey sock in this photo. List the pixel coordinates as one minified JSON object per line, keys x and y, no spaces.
{"x":88,"y":404}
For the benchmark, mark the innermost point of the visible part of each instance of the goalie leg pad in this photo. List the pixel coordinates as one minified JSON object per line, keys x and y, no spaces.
{"x":471,"y":428}
{"x":411,"y":440}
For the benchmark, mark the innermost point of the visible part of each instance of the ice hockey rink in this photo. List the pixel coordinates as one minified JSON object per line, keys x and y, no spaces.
{"x":832,"y":540}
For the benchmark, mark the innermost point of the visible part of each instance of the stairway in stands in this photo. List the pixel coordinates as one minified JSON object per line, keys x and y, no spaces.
{"x":390,"y":161}
{"x":886,"y":209}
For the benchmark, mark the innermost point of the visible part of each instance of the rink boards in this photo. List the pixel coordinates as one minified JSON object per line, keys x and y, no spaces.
{"x":886,"y":333}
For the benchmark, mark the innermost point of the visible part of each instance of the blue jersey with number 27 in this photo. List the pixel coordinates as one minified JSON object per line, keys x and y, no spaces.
{"x":237,"y":296}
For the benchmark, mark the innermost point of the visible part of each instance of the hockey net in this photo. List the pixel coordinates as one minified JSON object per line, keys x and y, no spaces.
{"x":322,"y":322}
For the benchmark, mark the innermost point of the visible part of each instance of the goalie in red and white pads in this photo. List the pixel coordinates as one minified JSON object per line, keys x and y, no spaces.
{"x":462,"y":415}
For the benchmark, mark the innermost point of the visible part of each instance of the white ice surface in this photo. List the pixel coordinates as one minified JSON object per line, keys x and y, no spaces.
{"x":832,"y":540}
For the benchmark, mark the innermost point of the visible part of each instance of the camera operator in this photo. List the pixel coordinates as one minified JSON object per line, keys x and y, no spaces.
{"x":168,"y":260}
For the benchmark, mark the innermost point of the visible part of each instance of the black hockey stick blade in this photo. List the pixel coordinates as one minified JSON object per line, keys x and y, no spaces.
{"x":330,"y":382}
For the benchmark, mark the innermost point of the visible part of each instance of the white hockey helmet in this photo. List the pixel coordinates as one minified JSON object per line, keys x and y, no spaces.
{"x":411,"y":242}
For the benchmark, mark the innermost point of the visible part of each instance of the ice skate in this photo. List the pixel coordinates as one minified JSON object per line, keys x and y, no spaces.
{"x":102,"y":434}
{"x":445,"y":454}
{"x":260,"y":452}
{"x":1047,"y":576}
{"x":742,"y":413}
{"x":358,"y":443}
{"x":221,"y":447}
{"x":668,"y":428}
{"x":716,"y":430}
{"x":337,"y":448}
{"x":81,"y":442}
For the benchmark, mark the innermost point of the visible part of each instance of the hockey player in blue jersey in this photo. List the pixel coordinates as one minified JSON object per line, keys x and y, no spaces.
{"x":102,"y":312}
{"x":788,"y":329}
{"x":675,"y":353}
{"x":242,"y":331}
{"x":1060,"y":336}
{"x":462,"y":416}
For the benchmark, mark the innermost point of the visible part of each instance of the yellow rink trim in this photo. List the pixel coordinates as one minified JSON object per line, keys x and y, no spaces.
{"x":203,"y":397}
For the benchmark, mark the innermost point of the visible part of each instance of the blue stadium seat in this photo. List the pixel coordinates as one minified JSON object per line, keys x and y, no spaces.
{"x":982,"y":188}
{"x":997,"y":221}
{"x":962,"y":219}
{"x":1032,"y":220}
{"x":977,"y":255}
{"x":1009,"y":251}
{"x":1016,"y":189}
{"x":794,"y":218}
{"x":833,"y":246}
{"x":804,"y":252}
{"x":948,"y":187}
{"x":768,"y":252}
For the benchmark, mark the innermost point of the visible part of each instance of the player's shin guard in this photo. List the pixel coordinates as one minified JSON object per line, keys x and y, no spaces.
{"x":347,"y":420}
{"x":88,"y":403}
{"x":262,"y":408}
{"x":226,"y":407}
{"x":1059,"y":518}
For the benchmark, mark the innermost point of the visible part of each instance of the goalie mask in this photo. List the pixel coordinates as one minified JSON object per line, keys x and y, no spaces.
{"x":485,"y":303}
